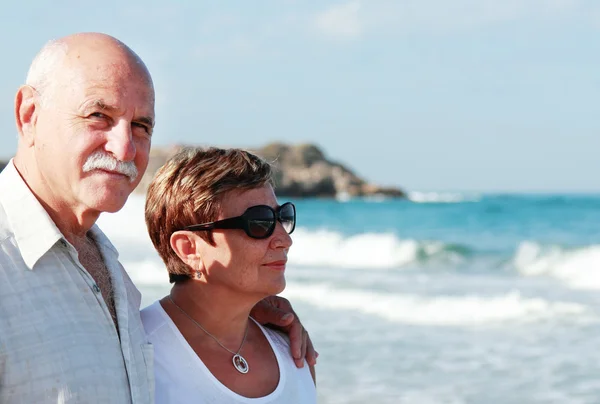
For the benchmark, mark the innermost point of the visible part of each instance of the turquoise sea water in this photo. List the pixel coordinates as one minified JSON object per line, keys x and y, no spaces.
{"x":448,"y":298}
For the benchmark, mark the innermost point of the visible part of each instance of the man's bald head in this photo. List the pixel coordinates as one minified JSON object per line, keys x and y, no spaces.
{"x":50,"y":67}
{"x":86,"y":95}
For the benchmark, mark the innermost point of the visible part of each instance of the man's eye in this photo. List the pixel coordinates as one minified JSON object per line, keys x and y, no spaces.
{"x":97,"y":115}
{"x":141,"y":126}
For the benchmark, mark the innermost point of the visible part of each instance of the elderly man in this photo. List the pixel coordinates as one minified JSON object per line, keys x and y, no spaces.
{"x":70,"y":330}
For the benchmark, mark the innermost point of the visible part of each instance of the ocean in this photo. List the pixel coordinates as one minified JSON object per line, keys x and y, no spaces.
{"x":444,"y":298}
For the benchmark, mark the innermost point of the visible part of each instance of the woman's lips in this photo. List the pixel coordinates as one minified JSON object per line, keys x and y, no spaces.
{"x":277,"y":265}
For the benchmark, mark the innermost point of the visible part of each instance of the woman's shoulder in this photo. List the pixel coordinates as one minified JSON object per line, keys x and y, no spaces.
{"x":278,"y":337}
{"x":304,"y":376}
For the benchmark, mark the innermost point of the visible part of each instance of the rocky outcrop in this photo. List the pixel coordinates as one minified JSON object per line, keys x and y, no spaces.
{"x":304,"y":171}
{"x":300,"y":171}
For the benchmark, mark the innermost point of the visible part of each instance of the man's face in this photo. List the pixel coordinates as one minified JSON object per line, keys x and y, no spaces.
{"x":102,"y":109}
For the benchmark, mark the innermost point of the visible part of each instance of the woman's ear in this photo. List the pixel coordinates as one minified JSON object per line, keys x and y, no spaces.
{"x":185,"y":245}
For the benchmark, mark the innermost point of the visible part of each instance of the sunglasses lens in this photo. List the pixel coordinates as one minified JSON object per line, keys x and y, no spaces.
{"x":287,"y":216}
{"x":260,"y":221}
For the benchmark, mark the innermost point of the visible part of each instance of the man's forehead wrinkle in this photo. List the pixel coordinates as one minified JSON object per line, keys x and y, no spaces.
{"x":112,"y":92}
{"x":102,"y":104}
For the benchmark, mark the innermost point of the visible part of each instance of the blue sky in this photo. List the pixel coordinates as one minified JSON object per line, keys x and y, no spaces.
{"x":482,"y":95}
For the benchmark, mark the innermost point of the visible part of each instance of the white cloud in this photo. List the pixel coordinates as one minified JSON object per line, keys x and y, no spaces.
{"x":340,"y":21}
{"x":356,"y":18}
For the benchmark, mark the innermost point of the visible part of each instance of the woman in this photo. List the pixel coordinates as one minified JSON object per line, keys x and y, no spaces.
{"x":214,"y":219}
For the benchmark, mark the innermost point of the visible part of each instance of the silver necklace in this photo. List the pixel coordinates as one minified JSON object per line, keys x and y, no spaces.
{"x":239,"y":362}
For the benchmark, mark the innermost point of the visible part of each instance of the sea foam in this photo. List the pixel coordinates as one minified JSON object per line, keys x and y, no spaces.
{"x":326,"y":248}
{"x":442,"y":197}
{"x":578,"y":267}
{"x":438,"y":310}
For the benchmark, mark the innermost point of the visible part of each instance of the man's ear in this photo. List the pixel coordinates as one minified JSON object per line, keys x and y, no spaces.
{"x":185,"y":245}
{"x":26,"y":110}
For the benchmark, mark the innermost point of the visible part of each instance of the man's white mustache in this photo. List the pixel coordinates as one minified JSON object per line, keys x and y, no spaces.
{"x":104,"y":161}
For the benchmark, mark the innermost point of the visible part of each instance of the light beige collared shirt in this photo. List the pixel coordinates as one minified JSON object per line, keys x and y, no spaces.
{"x":58,"y":342}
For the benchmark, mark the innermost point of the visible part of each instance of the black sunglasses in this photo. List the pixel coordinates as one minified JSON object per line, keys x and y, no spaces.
{"x":257,"y":221}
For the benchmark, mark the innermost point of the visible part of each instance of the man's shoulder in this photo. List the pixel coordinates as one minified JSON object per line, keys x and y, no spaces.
{"x":9,"y":251}
{"x":133,"y":292}
{"x":5,"y":230}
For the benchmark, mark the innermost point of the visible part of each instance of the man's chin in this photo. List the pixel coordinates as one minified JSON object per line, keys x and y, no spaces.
{"x":107,"y":206}
{"x":108,"y":202}
{"x":106,"y":195}
{"x":114,"y":208}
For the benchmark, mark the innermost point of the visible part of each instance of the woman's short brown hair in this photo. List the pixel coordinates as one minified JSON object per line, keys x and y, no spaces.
{"x":188,"y":190}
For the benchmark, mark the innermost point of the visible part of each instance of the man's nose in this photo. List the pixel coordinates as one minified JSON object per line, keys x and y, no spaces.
{"x":120,"y":141}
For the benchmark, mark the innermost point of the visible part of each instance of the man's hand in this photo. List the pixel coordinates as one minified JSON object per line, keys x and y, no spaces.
{"x":277,"y":311}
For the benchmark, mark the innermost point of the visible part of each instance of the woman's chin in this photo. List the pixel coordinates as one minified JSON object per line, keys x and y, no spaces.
{"x":268,"y":290}
{"x":278,"y":287}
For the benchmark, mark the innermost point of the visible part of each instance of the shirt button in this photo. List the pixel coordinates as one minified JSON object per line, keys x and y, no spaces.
{"x":96,"y":288}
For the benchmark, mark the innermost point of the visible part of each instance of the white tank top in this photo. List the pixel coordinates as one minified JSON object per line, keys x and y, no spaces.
{"x":182,"y":377}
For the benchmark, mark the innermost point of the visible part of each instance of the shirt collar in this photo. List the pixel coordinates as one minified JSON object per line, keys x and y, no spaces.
{"x":102,"y":240}
{"x":35,"y":232}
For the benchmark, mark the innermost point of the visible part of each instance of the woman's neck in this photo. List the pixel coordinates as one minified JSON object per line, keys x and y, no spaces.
{"x":219,"y":312}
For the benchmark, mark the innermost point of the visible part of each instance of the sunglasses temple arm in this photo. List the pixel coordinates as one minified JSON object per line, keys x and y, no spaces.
{"x":199,"y":227}
{"x":231,"y":223}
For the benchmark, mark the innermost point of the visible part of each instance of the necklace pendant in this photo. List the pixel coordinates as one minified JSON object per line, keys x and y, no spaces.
{"x":240,"y":363}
